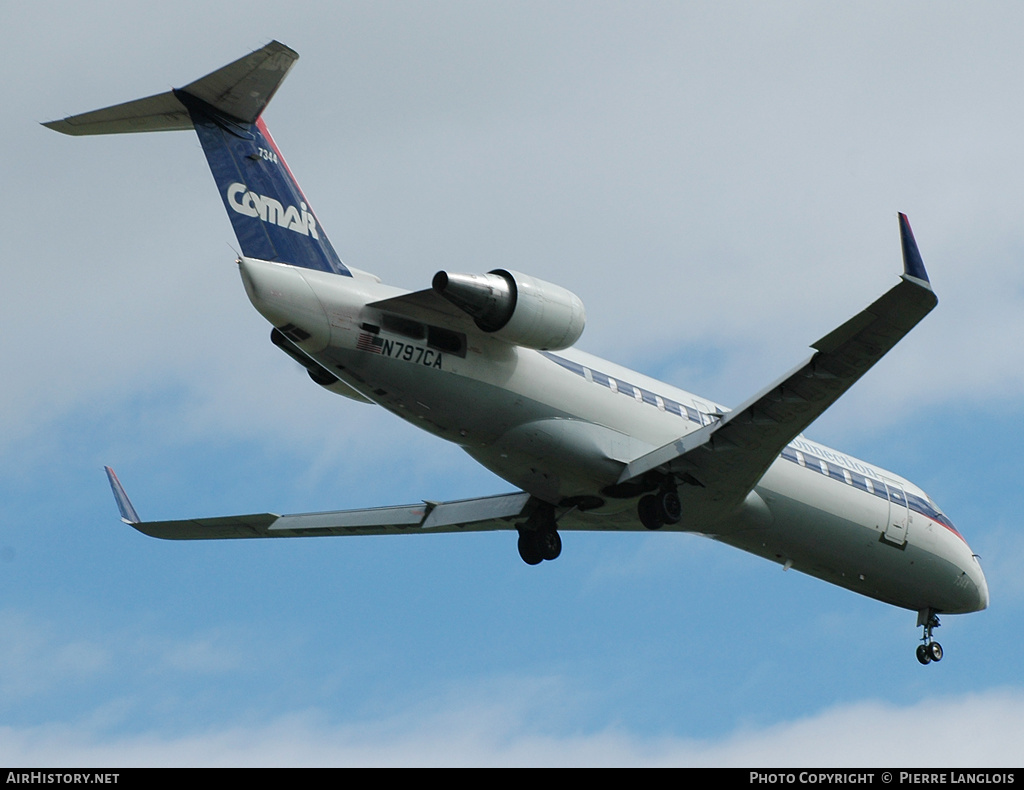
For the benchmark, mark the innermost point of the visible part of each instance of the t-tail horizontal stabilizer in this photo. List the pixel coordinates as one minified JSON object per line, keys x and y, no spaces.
{"x":240,"y":90}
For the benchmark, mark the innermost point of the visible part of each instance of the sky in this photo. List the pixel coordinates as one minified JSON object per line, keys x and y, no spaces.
{"x":718,"y":182}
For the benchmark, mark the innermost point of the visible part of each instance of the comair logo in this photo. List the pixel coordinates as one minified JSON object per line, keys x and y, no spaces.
{"x":269,"y":210}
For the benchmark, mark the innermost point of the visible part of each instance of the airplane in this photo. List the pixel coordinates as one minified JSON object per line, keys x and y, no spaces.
{"x":488,"y":361}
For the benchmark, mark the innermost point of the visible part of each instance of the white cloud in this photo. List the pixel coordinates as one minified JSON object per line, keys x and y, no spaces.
{"x":35,"y":659}
{"x":983,"y":730}
{"x":701,"y":184}
{"x":720,"y":190}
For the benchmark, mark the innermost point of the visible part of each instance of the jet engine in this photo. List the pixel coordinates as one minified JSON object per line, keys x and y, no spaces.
{"x":516,"y":308}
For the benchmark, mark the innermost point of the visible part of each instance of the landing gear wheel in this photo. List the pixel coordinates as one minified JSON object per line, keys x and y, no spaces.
{"x":549,"y":544}
{"x":538,"y":545}
{"x":670,"y":509}
{"x":928,"y":650}
{"x":538,"y":535}
{"x":647,"y":508}
{"x":528,"y":549}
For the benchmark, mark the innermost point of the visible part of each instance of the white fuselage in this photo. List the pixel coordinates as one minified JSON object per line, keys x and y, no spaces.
{"x":561,"y":426}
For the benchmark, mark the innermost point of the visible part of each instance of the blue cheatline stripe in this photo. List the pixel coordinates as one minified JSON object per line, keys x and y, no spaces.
{"x":877,"y":487}
{"x":625,"y":388}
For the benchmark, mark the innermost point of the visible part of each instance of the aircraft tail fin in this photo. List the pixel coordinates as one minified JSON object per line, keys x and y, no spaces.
{"x":268,"y":211}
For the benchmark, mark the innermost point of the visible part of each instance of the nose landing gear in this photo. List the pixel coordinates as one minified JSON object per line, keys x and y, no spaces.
{"x":928,"y":650}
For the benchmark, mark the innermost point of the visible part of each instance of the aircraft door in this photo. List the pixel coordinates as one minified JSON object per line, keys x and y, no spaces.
{"x":899,"y":515}
{"x":707,"y":414}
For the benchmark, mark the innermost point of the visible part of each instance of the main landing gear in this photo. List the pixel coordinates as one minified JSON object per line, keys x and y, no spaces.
{"x":535,"y":547}
{"x":538,"y":538}
{"x":928,"y":650}
{"x":660,"y":508}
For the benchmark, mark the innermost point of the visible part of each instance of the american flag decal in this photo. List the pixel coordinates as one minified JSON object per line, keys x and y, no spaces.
{"x":368,"y":342}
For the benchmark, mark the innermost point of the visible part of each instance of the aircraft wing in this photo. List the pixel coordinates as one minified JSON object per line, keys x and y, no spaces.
{"x":426,"y":305}
{"x":467,"y":515}
{"x":723,"y":461}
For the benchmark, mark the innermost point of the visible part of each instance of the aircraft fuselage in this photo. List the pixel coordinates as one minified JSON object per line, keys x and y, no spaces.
{"x":562,"y":425}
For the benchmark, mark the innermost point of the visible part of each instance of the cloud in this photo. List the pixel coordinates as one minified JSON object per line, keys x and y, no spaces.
{"x":699,"y":190}
{"x":516,"y":725}
{"x":720,"y":191}
{"x":35,"y":659}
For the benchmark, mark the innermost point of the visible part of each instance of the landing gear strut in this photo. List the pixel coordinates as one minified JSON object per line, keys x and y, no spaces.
{"x":928,"y":650}
{"x":660,"y":508}
{"x":538,"y":538}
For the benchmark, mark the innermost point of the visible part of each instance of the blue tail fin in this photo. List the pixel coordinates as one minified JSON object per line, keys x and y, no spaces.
{"x":271,"y":217}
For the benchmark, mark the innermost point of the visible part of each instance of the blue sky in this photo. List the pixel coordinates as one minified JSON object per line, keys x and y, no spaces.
{"x":718,"y":182}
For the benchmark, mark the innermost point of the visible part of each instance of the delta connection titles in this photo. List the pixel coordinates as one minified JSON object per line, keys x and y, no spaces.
{"x":887,"y":777}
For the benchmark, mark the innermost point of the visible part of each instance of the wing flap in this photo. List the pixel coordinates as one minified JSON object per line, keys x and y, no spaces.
{"x":473,"y":511}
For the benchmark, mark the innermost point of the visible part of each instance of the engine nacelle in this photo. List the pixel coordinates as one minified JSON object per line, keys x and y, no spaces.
{"x":516,"y":308}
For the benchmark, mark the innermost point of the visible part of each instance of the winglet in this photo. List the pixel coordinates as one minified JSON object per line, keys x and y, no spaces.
{"x":128,"y":514}
{"x":913,"y":265}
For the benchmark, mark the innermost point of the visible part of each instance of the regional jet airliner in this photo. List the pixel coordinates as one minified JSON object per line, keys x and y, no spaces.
{"x":487,"y":360}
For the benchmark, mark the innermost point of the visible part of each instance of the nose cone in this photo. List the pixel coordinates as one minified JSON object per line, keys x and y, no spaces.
{"x":281,"y":294}
{"x":980,"y":586}
{"x":970,"y":590}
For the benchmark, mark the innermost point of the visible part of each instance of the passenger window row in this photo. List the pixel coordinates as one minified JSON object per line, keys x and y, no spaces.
{"x":637,"y":393}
